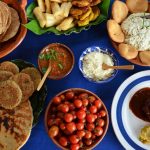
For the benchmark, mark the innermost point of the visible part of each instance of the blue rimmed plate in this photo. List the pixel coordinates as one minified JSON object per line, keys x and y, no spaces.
{"x":125,"y":124}
{"x":98,"y":49}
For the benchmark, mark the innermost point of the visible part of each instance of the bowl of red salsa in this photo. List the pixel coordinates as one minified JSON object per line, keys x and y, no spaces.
{"x":61,"y":59}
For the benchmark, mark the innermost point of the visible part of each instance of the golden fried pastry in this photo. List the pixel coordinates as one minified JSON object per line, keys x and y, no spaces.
{"x":76,"y":11}
{"x":96,"y":12}
{"x":5,"y":75}
{"x":127,"y":51}
{"x":136,"y":6}
{"x":145,"y":57}
{"x":85,"y":15}
{"x":95,"y":2}
{"x":80,"y":3}
{"x":84,"y":22}
{"x":115,"y":31}
{"x":119,"y":11}
{"x":10,"y":94}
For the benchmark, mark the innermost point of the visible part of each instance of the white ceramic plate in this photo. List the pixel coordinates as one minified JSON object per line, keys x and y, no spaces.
{"x":125,"y":124}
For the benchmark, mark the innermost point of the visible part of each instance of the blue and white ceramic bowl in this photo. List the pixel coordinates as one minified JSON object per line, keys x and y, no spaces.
{"x":98,"y":49}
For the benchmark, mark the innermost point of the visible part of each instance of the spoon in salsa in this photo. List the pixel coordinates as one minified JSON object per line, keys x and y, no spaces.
{"x":45,"y":76}
{"x":125,"y":67}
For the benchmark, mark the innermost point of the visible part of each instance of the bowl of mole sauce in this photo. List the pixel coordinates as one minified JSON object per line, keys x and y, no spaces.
{"x":140,"y":104}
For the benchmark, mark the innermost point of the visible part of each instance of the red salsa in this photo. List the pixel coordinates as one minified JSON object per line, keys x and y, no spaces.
{"x":61,"y":60}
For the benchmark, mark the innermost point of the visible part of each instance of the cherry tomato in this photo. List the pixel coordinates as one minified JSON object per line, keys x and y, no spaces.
{"x":60,"y":115}
{"x":74,"y":147}
{"x":81,"y":134}
{"x":83,"y":96}
{"x":90,"y":118}
{"x":77,"y":103}
{"x":85,"y":102}
{"x":79,"y":126}
{"x":68,"y":117}
{"x":88,"y":134}
{"x":83,"y":108}
{"x":70,"y":95}
{"x":74,"y":114}
{"x":93,"y":137}
{"x":98,"y":131}
{"x":50,"y":122}
{"x":56,"y":100}
{"x":74,"y":139}
{"x":63,"y":141}
{"x":80,"y":144}
{"x":62,"y":97}
{"x":100,"y":122}
{"x":71,"y":127}
{"x":88,"y":142}
{"x":92,"y":99}
{"x":95,"y":116}
{"x":53,"y":131}
{"x":53,"y":109}
{"x":62,"y":126}
{"x":93,"y":109}
{"x":82,"y":120}
{"x":102,"y":113}
{"x":57,"y":121}
{"x":63,"y":108}
{"x":71,"y":106}
{"x":81,"y":114}
{"x":98,"y":103}
{"x":90,"y":126}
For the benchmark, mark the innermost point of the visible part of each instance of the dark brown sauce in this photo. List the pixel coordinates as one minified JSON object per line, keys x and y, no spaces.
{"x":140,"y":104}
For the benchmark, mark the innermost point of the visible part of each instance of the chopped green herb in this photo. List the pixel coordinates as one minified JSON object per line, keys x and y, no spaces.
{"x":41,"y":56}
{"x":60,"y":66}
{"x":44,"y":69}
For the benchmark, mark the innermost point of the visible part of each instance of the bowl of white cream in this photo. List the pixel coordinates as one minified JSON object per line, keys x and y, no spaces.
{"x":90,"y":64}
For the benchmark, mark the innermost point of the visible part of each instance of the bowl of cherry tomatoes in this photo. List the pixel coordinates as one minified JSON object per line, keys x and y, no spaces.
{"x":76,"y":119}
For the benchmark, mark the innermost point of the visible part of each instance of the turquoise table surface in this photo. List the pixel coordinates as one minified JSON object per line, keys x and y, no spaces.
{"x":97,"y":35}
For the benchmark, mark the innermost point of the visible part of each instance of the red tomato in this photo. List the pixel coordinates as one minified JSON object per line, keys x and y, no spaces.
{"x":82,"y":120}
{"x":90,"y":126}
{"x":88,"y":134}
{"x":91,"y":99}
{"x":93,"y":109}
{"x":56,"y":100}
{"x":71,"y":106}
{"x":90,"y":118}
{"x":53,"y":131}
{"x":70,"y":95}
{"x":85,"y":102}
{"x":62,"y":126}
{"x":74,"y":147}
{"x":63,"y":108}
{"x":50,"y":122}
{"x":79,"y":126}
{"x":57,"y":121}
{"x":71,"y":127}
{"x":60,"y":115}
{"x":74,"y":114}
{"x":95,"y":116}
{"x":62,"y":97}
{"x":68,"y":117}
{"x":74,"y":139}
{"x":100,"y":122}
{"x":80,"y":144}
{"x":63,"y":141}
{"x":98,"y":103}
{"x":98,"y":131}
{"x":81,"y":134}
{"x":102,"y":113}
{"x":93,"y":136}
{"x":77,"y":103}
{"x":66,"y":132}
{"x":88,"y":142}
{"x":53,"y":109}
{"x":81,"y":114}
{"x":83,"y":108}
{"x":83,"y":96}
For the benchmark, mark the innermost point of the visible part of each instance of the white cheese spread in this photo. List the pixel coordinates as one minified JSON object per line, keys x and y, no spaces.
{"x":92,"y":66}
{"x":137,"y":31}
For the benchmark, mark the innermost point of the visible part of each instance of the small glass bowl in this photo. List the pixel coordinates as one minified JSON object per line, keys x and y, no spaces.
{"x":102,"y":50}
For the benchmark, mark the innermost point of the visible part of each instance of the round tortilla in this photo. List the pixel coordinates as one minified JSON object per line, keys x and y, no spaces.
{"x":10,"y":94}
{"x":15,"y":126}
{"x":9,"y":66}
{"x":14,"y":26}
{"x":5,"y":75}
{"x":34,"y":74}
{"x":25,"y":83}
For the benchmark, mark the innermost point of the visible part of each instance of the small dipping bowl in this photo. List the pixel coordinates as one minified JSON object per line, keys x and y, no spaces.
{"x":102,"y":50}
{"x":76,"y":91}
{"x":61,"y":58}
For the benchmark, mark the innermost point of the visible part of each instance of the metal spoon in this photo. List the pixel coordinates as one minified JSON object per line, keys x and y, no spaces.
{"x":125,"y":67}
